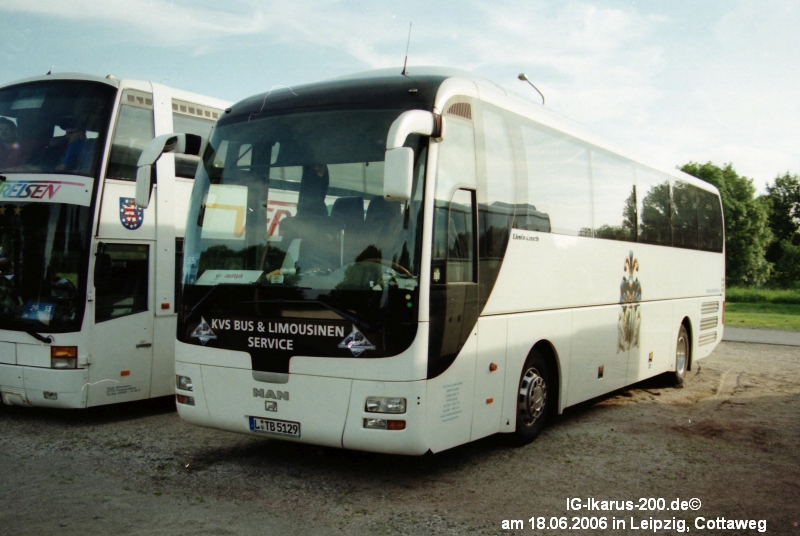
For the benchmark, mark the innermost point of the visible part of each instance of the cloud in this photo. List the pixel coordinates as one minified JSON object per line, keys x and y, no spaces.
{"x":159,"y":22}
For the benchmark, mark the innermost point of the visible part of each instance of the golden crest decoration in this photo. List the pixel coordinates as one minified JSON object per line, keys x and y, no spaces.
{"x":630,"y":294}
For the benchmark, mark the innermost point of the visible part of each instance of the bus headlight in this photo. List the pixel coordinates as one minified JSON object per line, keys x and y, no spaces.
{"x":184,"y":383}
{"x":381,"y":404}
{"x":64,"y":357}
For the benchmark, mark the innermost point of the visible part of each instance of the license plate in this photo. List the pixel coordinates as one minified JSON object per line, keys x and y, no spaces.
{"x":274,"y":426}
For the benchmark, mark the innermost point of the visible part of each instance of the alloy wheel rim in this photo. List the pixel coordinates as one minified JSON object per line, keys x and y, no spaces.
{"x":532,"y":397}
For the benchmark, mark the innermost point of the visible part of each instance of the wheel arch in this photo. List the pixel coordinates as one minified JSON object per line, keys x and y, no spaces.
{"x":687,"y":323}
{"x":550,"y":354}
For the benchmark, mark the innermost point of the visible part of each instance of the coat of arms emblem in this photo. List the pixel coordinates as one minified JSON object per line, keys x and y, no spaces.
{"x":630,"y":294}
{"x":130,"y":216}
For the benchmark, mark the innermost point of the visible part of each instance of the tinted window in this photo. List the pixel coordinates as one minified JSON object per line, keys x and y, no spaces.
{"x":124,"y":292}
{"x":558,"y":180}
{"x":186,"y":165}
{"x":496,"y":212}
{"x":653,"y":192}
{"x":614,"y":197}
{"x":709,"y":215}
{"x":133,"y":132}
{"x":684,"y":215}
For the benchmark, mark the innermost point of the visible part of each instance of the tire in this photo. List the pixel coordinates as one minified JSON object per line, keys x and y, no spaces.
{"x":682,"y":355}
{"x":535,"y":398}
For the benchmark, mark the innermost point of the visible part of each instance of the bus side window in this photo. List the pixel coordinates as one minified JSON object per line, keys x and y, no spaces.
{"x":653,"y":193}
{"x":190,"y":118}
{"x":125,"y":291}
{"x":134,"y":130}
{"x":709,"y":215}
{"x":684,"y":215}
{"x":559,"y":188}
{"x":614,"y":197}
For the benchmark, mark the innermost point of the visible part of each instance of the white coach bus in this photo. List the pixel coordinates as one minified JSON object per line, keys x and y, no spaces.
{"x":88,"y":305}
{"x":452,"y":262}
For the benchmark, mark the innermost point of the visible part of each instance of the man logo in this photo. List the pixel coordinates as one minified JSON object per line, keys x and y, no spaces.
{"x":271,"y":405}
{"x":269,"y":393}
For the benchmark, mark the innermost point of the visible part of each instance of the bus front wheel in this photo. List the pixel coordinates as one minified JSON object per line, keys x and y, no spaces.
{"x":681,"y":356}
{"x":533,"y":398}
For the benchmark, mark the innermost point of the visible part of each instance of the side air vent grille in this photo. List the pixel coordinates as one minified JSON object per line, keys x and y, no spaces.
{"x":709,"y":307}
{"x":708,"y":323}
{"x":708,"y":338}
{"x":461,"y":109}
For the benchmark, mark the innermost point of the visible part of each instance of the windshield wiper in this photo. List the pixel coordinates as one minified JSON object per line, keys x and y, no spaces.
{"x":42,"y":338}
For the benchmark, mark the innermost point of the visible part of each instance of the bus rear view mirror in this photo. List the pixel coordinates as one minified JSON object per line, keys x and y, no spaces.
{"x":398,"y":168}
{"x":398,"y":174}
{"x":167,"y":143}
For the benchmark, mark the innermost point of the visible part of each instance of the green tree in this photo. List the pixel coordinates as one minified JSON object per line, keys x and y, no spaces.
{"x":747,"y":232}
{"x":784,"y":221}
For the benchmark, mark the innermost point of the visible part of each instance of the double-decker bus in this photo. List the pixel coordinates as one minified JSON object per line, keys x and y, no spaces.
{"x":451,"y":262}
{"x":87,"y":281}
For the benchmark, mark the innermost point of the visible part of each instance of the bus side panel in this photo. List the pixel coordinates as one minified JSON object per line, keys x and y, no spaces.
{"x":162,"y":381}
{"x":656,"y":350}
{"x":488,"y":400}
{"x":524,"y":331}
{"x":601,"y":362}
{"x":412,"y":440}
{"x":450,"y":396}
{"x":116,"y":192}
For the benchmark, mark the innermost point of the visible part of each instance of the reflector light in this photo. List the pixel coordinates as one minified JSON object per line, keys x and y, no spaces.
{"x":125,"y":373}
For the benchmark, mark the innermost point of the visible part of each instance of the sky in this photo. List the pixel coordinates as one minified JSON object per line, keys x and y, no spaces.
{"x":670,"y":81}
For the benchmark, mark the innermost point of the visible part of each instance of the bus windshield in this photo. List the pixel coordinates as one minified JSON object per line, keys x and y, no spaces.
{"x":288,"y":215}
{"x":43,"y":258}
{"x":54,"y":126}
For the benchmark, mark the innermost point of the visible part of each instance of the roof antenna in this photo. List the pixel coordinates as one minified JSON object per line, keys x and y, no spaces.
{"x":523,"y":76}
{"x":51,"y":70}
{"x":405,"y":61}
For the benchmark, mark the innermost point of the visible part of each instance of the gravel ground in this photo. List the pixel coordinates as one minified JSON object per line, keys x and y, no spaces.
{"x":730,"y":438}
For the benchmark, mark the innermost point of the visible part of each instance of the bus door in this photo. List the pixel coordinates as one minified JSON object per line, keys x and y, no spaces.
{"x":122,"y":334}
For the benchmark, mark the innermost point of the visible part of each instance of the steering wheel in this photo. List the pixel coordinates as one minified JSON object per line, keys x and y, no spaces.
{"x":396,"y":267}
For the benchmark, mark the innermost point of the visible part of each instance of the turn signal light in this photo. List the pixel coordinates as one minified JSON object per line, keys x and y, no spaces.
{"x":64,"y":357}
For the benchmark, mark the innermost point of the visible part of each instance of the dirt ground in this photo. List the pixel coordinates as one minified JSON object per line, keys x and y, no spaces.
{"x":730,"y":438}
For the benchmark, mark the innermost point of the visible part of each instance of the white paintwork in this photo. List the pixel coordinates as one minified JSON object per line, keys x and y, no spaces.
{"x":562,"y":292}
{"x":107,"y":349}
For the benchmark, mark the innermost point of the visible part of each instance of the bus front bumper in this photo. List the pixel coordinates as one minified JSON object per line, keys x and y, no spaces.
{"x":43,"y":387}
{"x":327,"y":411}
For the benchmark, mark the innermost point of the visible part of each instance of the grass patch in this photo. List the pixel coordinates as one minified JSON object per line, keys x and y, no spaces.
{"x":762,"y":295}
{"x":763,"y":315}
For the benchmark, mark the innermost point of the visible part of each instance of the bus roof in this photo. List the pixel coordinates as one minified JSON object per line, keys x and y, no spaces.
{"x":417,"y":89}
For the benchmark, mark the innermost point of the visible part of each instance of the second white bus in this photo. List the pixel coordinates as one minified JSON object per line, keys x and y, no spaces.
{"x":88,"y":300}
{"x":452,"y":262}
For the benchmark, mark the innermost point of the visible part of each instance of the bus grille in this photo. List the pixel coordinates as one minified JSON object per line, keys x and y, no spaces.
{"x":709,"y":307}
{"x":461,"y":109}
{"x":707,"y":338}
{"x":709,"y":323}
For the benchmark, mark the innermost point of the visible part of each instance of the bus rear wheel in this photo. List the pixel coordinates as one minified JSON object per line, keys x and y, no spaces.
{"x":533,"y":401}
{"x":681,"y":356}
